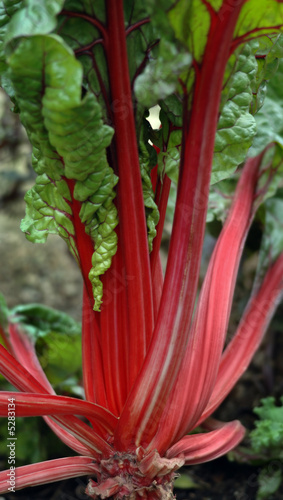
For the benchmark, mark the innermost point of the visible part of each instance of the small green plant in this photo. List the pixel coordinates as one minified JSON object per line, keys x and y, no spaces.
{"x":267,"y":442}
{"x":266,"y":447}
{"x":56,"y":338}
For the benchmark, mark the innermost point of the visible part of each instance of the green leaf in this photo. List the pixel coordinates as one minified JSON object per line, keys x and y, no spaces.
{"x":57,"y":338}
{"x":236,"y":126}
{"x":268,"y":50}
{"x":160,"y":78}
{"x":96,"y":9}
{"x":36,"y":17}
{"x":191,"y":22}
{"x":69,"y":143}
{"x":272,"y":239}
{"x":173,"y":107}
{"x":185,"y":482}
{"x":169,"y":160}
{"x":220,"y":199}
{"x":151,"y":210}
{"x":7,"y":10}
{"x":78,"y":35}
{"x":260,"y":17}
{"x":60,"y":356}
{"x":269,"y":481}
{"x":269,"y":117}
{"x":268,"y":433}
{"x":40,"y":320}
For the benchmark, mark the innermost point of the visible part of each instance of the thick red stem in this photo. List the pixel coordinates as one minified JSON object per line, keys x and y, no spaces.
{"x":129,"y":194}
{"x":114,"y":339}
{"x":161,"y":199}
{"x":140,"y":418}
{"x":239,"y":352}
{"x":198,"y":373}
{"x":94,"y":384}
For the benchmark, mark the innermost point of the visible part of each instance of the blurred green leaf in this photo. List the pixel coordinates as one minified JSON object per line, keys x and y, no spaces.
{"x":269,"y":481}
{"x":185,"y":482}
{"x":57,"y":339}
{"x":268,"y":434}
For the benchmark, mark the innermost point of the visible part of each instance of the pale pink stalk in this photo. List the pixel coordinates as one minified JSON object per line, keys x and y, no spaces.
{"x":47,"y":472}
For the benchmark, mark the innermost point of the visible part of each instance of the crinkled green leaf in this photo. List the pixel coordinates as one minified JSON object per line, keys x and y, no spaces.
{"x":268,"y":433}
{"x":87,"y":164}
{"x":80,"y":35}
{"x":69,"y":141}
{"x":268,"y":50}
{"x":160,"y":78}
{"x":269,"y":126}
{"x":36,"y":17}
{"x":244,"y":81}
{"x":236,"y":126}
{"x":220,"y":199}
{"x":269,"y":118}
{"x":7,"y":10}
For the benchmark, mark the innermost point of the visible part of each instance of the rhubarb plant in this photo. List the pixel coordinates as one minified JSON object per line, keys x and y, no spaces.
{"x":82,"y":76}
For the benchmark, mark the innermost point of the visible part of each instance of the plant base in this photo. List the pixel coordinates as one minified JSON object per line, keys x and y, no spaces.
{"x":135,"y":476}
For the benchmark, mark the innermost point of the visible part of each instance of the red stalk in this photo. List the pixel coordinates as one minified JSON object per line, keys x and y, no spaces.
{"x":157,"y":286}
{"x":114,"y":340}
{"x":66,"y":437}
{"x":129,"y":196}
{"x":200,"y":448}
{"x":248,"y":336}
{"x":24,"y":352}
{"x":35,"y":404}
{"x":161,"y":199}
{"x":140,"y":418}
{"x":20,"y":378}
{"x":198,"y":372}
{"x":17,"y":375}
{"x":50,"y":471}
{"x":94,"y":384}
